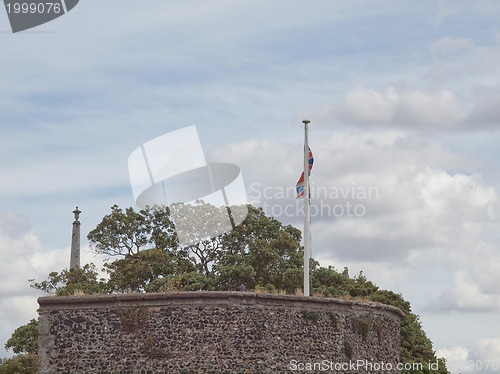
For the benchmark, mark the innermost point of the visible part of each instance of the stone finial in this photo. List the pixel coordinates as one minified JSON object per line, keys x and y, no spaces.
{"x":77,"y":213}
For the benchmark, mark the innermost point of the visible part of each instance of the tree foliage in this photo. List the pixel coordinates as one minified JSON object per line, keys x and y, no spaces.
{"x":22,"y":364}
{"x":260,"y":252}
{"x":25,"y":338}
{"x":70,"y":282}
{"x":136,"y":273}
{"x":126,"y":233}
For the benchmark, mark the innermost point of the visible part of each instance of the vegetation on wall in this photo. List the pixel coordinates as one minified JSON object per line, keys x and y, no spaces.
{"x":132,"y":318}
{"x":362,"y":325}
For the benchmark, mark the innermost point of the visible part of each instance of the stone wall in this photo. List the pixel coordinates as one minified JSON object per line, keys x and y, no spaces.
{"x":213,"y":332}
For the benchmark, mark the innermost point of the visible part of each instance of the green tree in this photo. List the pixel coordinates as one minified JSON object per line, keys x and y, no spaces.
{"x":25,"y":338}
{"x":137,"y":272}
{"x":69,"y":282}
{"x":21,"y":364}
{"x":261,"y":252}
{"x":126,"y":233}
{"x":192,"y":281}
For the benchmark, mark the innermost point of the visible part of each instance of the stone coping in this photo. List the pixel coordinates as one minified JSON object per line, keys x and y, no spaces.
{"x":48,"y":303}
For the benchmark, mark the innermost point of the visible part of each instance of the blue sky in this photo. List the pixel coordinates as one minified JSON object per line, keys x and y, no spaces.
{"x":403,"y":97}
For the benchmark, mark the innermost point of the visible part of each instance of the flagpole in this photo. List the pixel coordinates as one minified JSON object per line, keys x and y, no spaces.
{"x":307,"y":236}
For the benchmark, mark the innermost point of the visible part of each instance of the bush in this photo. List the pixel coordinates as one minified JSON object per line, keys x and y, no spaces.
{"x":22,"y":364}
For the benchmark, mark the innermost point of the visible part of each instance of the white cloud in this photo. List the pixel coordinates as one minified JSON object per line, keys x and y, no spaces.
{"x":468,"y":295}
{"x":446,"y":9}
{"x":437,"y":110}
{"x":416,"y":109}
{"x":475,"y":279}
{"x":483,"y":357}
{"x":456,"y":359}
{"x":441,"y":108}
{"x":456,"y":90}
{"x":449,"y":45}
{"x":12,"y":224}
{"x":461,"y":63}
{"x":368,"y":105}
{"x":485,"y":111}
{"x":18,"y":301}
{"x":16,"y":252}
{"x":487,"y":354}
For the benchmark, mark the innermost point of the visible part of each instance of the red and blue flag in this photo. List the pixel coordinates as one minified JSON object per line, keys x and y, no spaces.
{"x":300,"y":183}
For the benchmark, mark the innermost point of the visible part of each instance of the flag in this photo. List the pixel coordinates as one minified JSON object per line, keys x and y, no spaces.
{"x":300,"y":183}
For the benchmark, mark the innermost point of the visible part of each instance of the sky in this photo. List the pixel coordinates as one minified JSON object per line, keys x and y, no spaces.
{"x":403,"y":99}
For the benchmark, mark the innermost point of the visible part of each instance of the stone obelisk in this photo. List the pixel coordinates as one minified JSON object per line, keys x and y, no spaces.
{"x":75,"y":242}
